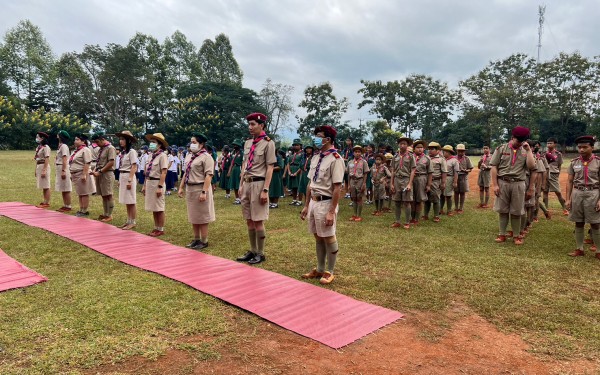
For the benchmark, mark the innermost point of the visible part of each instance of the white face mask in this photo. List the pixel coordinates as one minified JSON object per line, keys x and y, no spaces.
{"x":38,"y":140}
{"x":194,"y":147}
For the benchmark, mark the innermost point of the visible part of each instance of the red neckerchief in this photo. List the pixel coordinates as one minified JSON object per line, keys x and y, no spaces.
{"x":294,"y":156}
{"x":224,"y":161}
{"x":419,"y":157}
{"x":585,"y":168}
{"x":321,"y":156}
{"x":37,"y":150}
{"x":402,"y":158}
{"x":378,"y":171}
{"x":154,"y":155}
{"x":485,"y":156}
{"x":550,"y":156}
{"x":356,"y":163}
{"x":255,"y":141}
{"x":306,"y":160}
{"x":100,"y":154}
{"x":514,"y":153}
{"x":75,"y":153}
{"x":189,"y":165}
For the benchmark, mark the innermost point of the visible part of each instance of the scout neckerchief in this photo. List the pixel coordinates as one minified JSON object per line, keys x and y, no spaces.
{"x":514,"y":153}
{"x":321,"y":156}
{"x":236,"y":156}
{"x":356,"y":163}
{"x":346,"y":153}
{"x":485,"y":157}
{"x":189,"y":166}
{"x":154,"y":155}
{"x":306,"y":160}
{"x":378,"y":171}
{"x":255,"y":141}
{"x":585,"y":169}
{"x":550,"y":156}
{"x":224,"y":161}
{"x":419,"y":157}
{"x":294,"y":157}
{"x":401,"y":164}
{"x":100,"y":154}
{"x":37,"y":150}
{"x":75,"y":153}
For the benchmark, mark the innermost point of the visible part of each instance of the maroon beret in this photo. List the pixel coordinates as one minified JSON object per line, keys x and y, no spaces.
{"x":256,"y":116}
{"x":590,"y":139}
{"x":43,"y":135}
{"x":520,"y":132}
{"x":329,"y":131}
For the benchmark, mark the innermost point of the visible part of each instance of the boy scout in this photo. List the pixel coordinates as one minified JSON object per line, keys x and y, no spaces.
{"x":105,"y":178}
{"x":509,"y":163}
{"x":380,"y":175}
{"x":79,"y":166}
{"x":532,"y":180}
{"x":485,"y":178}
{"x":555,"y":160}
{"x":451,"y":179}
{"x":422,"y":181}
{"x":438,"y":181}
{"x":42,"y":168}
{"x":403,"y":174}
{"x":583,"y":198}
{"x":325,"y":184}
{"x":542,"y":163}
{"x":257,"y":171}
{"x":357,"y":170}
{"x":465,"y":167}
{"x":294,"y":169}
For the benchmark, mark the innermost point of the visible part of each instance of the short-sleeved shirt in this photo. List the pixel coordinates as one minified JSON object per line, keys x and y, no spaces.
{"x":452,"y":166}
{"x":201,"y":166}
{"x":378,"y":173}
{"x":143,"y":160}
{"x":80,"y":159}
{"x":331,"y":171}
{"x":542,"y":158}
{"x":510,"y":162}
{"x":439,"y":166}
{"x":402,"y":165}
{"x":42,"y":153}
{"x":63,"y":150}
{"x":357,"y":168}
{"x":264,"y":155}
{"x":295,"y":161}
{"x":585,"y":173}
{"x":464,"y":164}
{"x":484,"y":163}
{"x":555,"y":160}
{"x":106,"y":154}
{"x":174,"y":161}
{"x":539,"y":166}
{"x":159,"y":163}
{"x":423,"y":163}
{"x":127,"y":160}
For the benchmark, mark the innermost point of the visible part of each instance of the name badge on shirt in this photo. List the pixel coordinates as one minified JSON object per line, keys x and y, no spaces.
{"x":577,"y":167}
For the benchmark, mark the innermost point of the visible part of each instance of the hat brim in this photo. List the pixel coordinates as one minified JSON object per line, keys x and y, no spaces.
{"x":450,"y":151}
{"x":151,"y":137}
{"x":419,"y":143}
{"x":408,"y":140}
{"x":131,"y":137}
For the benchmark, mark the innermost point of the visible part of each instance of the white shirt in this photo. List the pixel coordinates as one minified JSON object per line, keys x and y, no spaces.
{"x":174,"y":162}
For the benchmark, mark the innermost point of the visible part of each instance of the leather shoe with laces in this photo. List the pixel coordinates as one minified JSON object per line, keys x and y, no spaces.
{"x":257,"y":259}
{"x":246,"y":257}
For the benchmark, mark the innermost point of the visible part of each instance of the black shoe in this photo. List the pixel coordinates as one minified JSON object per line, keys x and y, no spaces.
{"x":82,"y":214}
{"x":201,"y":245}
{"x":257,"y":259}
{"x":246,"y":257}
{"x":193,"y":244}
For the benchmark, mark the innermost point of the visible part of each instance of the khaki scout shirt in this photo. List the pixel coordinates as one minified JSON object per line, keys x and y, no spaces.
{"x":555,"y":165}
{"x":331,"y":171}
{"x":484,"y":163}
{"x":503,"y":160}
{"x":439,"y":166}
{"x":357,"y":169}
{"x":464,"y":164}
{"x":264,"y":154}
{"x":203,"y":165}
{"x":424,"y":165}
{"x":42,"y":154}
{"x":128,"y":160}
{"x":106,"y":154}
{"x":378,"y":173}
{"x":63,"y":150}
{"x":583,"y":177}
{"x":452,"y":166}
{"x":539,"y":166}
{"x":81,"y":158}
{"x":159,"y":163}
{"x":402,"y":165}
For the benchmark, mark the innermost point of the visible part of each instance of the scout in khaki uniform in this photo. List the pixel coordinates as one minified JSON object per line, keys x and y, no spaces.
{"x":438,"y":181}
{"x":154,"y":186}
{"x":541,"y":187}
{"x":465,"y":167}
{"x":532,"y":180}
{"x":127,"y":181}
{"x":42,"y":168}
{"x":324,"y":189}
{"x":63,"y":174}
{"x":294,"y":170}
{"x":389,"y":157}
{"x":423,"y":180}
{"x":196,"y":183}
{"x":451,"y":179}
{"x":380,"y":176}
{"x":583,"y":194}
{"x":370,"y":158}
{"x":257,"y":172}
{"x":235,"y":169}
{"x":79,"y":166}
{"x":484,"y":179}
{"x":509,"y":163}
{"x":105,"y":178}
{"x":555,"y":160}
{"x":403,"y":174}
{"x":357,"y":170}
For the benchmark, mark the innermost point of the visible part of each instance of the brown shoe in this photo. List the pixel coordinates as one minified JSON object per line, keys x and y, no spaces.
{"x":424,"y":218}
{"x":314,"y":274}
{"x":378,"y":213}
{"x":358,"y":219}
{"x":577,"y":253}
{"x":64,"y":209}
{"x":548,"y":215}
{"x":566,"y":212}
{"x":106,"y":219}
{"x":101,"y":217}
{"x":450,"y":213}
{"x":353,"y":218}
{"x":43,"y":205}
{"x":509,"y":233}
{"x":327,"y":278}
{"x":414,"y":222}
{"x":460,"y":212}
{"x":594,"y":248}
{"x":518,"y":240}
{"x":128,"y":227}
{"x":597,"y":255}
{"x":436,"y":219}
{"x":396,"y":225}
{"x":406,"y":226}
{"x":156,"y":233}
{"x":588,"y":241}
{"x":501,"y":238}
{"x":375,"y":213}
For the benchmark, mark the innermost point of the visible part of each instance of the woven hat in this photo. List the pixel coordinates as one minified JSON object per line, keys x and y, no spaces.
{"x":158,"y":137}
{"x":434,"y":145}
{"x":419,"y":142}
{"x":408,"y":140}
{"x":449,"y":148}
{"x":126,"y":134}
{"x":460,"y":147}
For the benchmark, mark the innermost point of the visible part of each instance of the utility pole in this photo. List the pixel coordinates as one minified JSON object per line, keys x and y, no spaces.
{"x":541,"y":12}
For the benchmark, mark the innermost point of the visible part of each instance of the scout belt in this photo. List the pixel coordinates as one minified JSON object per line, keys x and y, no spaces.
{"x":194,"y":183}
{"x":320,"y":198}
{"x":153,"y":178}
{"x":40,"y":162}
{"x":585,"y":188}
{"x":509,"y":179}
{"x":253,"y":179}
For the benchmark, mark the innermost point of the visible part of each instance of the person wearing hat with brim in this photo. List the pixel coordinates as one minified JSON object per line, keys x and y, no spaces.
{"x":484,"y":178}
{"x":403,"y":174}
{"x":509,"y":163}
{"x":555,"y":161}
{"x":63,"y":183}
{"x":380,"y":175}
{"x":438,"y":181}
{"x":294,"y":169}
{"x":369,"y":156}
{"x":583,"y":194}
{"x":357,"y":169}
{"x":128,"y":166}
{"x":80,"y":168}
{"x":257,"y":173}
{"x":42,"y":168}
{"x":235,"y":169}
{"x":224,"y":162}
{"x":306,"y":160}
{"x":422,"y":181}
{"x":154,"y":186}
{"x":451,"y":180}
{"x":105,"y":177}
{"x":465,"y":167}
{"x":197,"y":185}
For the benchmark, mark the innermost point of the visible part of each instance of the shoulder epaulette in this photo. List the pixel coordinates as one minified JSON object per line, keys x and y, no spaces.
{"x":267,"y":138}
{"x":336,"y":155}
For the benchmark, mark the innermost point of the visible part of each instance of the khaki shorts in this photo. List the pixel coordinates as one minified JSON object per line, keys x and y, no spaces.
{"x":553,"y":185}
{"x":419,"y":185}
{"x":449,"y":190}
{"x":105,"y":183}
{"x":199,"y":212}
{"x":511,"y":199}
{"x":127,"y":196}
{"x":82,"y":188}
{"x":42,"y":182}
{"x":355,"y":187}
{"x":252,"y":209}
{"x":400,"y":183}
{"x":151,"y":201}
{"x":317,"y":214}
{"x":463,"y":183}
{"x":378,"y":191}
{"x":583,"y":206}
{"x":436,"y":190}
{"x":484,"y":179}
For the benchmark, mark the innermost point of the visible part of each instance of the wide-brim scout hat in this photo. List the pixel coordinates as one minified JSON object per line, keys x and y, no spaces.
{"x":42,"y":135}
{"x":297,"y":142}
{"x":587,"y":139}
{"x":357,"y":147}
{"x":408,"y":140}
{"x":449,"y":148}
{"x":126,"y":134}
{"x":389,"y":156}
{"x":237,"y":142}
{"x":434,"y":145}
{"x":460,"y":147}
{"x":158,"y":137}
{"x":419,"y":142}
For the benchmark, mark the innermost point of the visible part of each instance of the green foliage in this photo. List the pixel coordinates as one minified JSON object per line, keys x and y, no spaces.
{"x":322,"y":108}
{"x":382,"y":133}
{"x":217,"y":63}
{"x":276,"y":99}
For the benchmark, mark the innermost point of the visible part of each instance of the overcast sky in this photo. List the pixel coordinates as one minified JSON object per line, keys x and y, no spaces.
{"x":306,"y":42}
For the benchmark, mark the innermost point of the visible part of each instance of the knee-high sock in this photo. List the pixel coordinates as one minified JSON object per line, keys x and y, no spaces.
{"x":481,"y":196}
{"x":252,"y":238}
{"x":332,"y":250}
{"x":503,"y":221}
{"x":105,"y":207}
{"x":359,"y":207}
{"x":596,"y":239}
{"x":524,"y":221}
{"x":442,"y":201}
{"x":110,"y":206}
{"x":427,"y":208}
{"x":449,"y":203}
{"x":321,"y":254}
{"x":487,"y":196}
{"x":407,"y":214}
{"x":562,"y":203}
{"x":462,"y":200}
{"x":546,"y":199}
{"x":417,"y":213}
{"x":355,"y":208}
{"x":260,"y":242}
{"x":579,"y":235}
{"x":436,"y":209}
{"x":515,"y":224}
{"x":398,"y":211}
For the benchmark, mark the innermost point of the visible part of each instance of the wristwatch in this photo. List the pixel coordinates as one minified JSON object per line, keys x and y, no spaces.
{"x":266,"y":190}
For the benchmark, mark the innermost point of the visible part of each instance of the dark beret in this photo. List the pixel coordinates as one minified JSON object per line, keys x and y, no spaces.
{"x":520,"y":132}
{"x":589,"y":139}
{"x":328,"y":130}
{"x":258,"y":117}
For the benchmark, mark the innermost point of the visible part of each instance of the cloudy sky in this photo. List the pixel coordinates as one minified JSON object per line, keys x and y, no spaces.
{"x":303,"y":42}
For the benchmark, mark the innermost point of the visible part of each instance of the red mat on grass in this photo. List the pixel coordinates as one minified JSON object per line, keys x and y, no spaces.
{"x":312,"y":311}
{"x":15,"y":275}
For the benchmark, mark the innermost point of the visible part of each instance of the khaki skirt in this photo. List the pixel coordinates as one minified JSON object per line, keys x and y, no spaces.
{"x":42,"y":183}
{"x":199,"y":212}
{"x":152,"y":202}
{"x":127,"y":196}
{"x":82,"y":188}
{"x":60,"y":184}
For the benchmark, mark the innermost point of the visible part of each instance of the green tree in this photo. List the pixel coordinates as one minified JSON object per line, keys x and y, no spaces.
{"x":276,"y":99}
{"x":322,"y":107}
{"x":382,"y":133}
{"x":73,"y":88}
{"x":217,"y":62}
{"x":181,"y":59}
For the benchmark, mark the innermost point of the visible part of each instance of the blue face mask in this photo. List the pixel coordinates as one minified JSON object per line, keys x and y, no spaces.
{"x":152,"y":146}
{"x":318,"y":141}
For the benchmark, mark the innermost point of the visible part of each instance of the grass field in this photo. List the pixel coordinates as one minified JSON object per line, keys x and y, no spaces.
{"x":95,"y":311}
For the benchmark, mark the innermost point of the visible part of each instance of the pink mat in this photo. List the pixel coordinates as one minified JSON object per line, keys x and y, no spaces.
{"x":15,"y":275}
{"x":312,"y":311}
